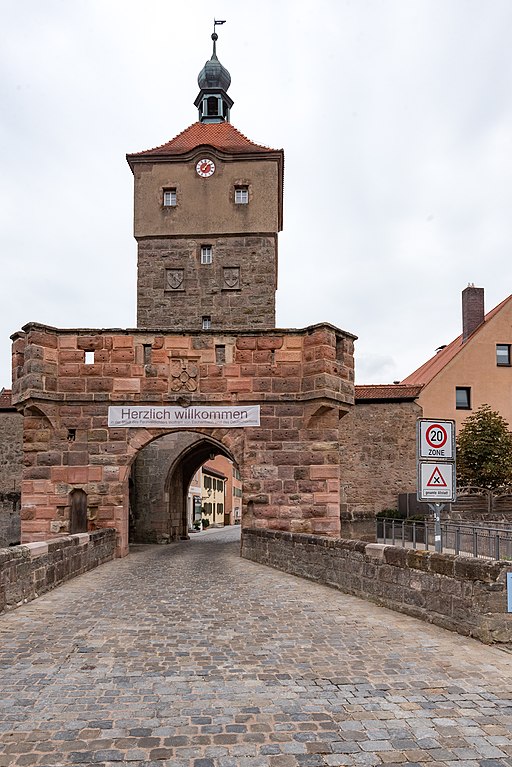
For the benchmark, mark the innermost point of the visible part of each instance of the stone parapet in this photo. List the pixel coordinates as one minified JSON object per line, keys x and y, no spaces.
{"x":461,"y":594}
{"x":159,"y":366}
{"x":28,"y":571}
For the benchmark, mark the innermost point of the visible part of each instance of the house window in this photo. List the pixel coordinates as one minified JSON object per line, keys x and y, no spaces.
{"x":89,"y":358}
{"x":241,"y":195}
{"x":206,"y":254}
{"x":503,"y":355}
{"x":169,"y":198}
{"x":463,"y":397}
{"x":206,"y":323}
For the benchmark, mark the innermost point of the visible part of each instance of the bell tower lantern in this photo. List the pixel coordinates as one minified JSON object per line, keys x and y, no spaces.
{"x":207,"y":212}
{"x":214,"y":80}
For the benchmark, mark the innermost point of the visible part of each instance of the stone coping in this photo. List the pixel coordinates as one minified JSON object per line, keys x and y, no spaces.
{"x":184,"y":332}
{"x":40,"y":548}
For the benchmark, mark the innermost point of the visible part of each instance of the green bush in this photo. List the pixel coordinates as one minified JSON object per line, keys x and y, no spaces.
{"x":389,"y":514}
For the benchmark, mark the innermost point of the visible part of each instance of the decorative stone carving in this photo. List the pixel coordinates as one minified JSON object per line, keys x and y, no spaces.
{"x":231,"y":278}
{"x":184,"y":374}
{"x":174,"y":279}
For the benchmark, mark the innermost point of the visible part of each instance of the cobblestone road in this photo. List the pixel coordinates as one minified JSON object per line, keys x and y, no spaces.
{"x":187,"y":656}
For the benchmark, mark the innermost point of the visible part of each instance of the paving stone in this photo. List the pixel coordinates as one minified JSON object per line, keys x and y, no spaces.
{"x":187,"y":656}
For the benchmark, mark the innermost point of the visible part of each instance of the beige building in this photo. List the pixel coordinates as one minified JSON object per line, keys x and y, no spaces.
{"x":474,"y":369}
{"x":213,"y":496}
{"x":221,"y":467}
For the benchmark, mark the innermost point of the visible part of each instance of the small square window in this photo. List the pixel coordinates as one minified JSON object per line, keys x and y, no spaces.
{"x":169,"y":198}
{"x":463,"y":397}
{"x":241,"y":195}
{"x":206,"y":254}
{"x":503,"y":355}
{"x":89,"y":358}
{"x":207,"y":323}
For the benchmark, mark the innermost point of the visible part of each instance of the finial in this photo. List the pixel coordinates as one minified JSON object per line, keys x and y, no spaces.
{"x":215,"y":36}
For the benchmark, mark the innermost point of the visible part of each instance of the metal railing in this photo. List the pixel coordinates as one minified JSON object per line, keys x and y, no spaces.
{"x":456,"y":537}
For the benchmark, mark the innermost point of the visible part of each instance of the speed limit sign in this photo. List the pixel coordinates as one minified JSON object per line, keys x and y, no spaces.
{"x":436,"y":439}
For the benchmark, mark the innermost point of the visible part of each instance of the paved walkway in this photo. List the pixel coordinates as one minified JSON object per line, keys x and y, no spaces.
{"x":187,"y":656}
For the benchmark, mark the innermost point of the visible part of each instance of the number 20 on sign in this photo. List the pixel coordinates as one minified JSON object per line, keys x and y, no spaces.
{"x":436,"y":440}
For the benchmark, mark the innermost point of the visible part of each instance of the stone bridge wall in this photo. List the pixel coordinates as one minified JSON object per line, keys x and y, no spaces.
{"x":28,"y":571}
{"x":458,"y":593}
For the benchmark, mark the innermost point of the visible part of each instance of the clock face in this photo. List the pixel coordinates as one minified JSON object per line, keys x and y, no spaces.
{"x":205,"y":168}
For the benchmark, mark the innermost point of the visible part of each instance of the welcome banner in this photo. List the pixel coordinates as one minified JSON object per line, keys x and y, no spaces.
{"x":166,"y":416}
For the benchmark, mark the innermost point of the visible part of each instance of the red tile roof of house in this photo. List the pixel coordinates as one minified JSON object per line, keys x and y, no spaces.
{"x":372,"y":392}
{"x":424,"y":374}
{"x":5,"y":400}
{"x":219,"y":135}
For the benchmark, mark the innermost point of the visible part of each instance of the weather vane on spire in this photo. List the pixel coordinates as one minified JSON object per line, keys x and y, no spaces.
{"x":217,"y":22}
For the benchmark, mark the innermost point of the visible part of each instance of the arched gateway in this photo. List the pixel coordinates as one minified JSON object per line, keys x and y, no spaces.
{"x":160,"y":477}
{"x":206,"y":356}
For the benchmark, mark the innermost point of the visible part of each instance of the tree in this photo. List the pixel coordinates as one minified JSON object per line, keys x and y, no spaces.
{"x":484,"y":450}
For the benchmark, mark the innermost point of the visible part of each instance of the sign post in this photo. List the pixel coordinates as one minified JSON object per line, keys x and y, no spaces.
{"x":436,"y":468}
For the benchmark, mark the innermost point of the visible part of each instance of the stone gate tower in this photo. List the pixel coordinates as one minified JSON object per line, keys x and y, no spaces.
{"x":110,"y":412}
{"x":208,"y":207}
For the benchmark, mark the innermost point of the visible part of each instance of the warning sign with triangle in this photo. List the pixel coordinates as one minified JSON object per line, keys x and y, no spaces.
{"x":436,"y":479}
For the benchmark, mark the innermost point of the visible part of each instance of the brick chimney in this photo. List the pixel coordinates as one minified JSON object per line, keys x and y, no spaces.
{"x":472,"y":310}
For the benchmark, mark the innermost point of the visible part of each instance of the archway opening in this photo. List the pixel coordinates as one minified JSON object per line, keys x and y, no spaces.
{"x":180,"y":482}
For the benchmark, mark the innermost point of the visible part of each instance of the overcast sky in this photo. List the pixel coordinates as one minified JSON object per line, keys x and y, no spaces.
{"x":395,"y":117}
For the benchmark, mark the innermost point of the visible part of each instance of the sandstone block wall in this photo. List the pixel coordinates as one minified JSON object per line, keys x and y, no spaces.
{"x":11,"y":467}
{"x":10,"y":522}
{"x":28,"y":571}
{"x":303,"y":380}
{"x":458,"y":593}
{"x":11,"y":451}
{"x":378,"y":456}
{"x":237,"y":290}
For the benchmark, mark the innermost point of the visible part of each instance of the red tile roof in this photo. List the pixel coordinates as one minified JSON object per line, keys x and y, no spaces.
{"x":219,"y":135}
{"x":386,"y":392}
{"x":435,"y":364}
